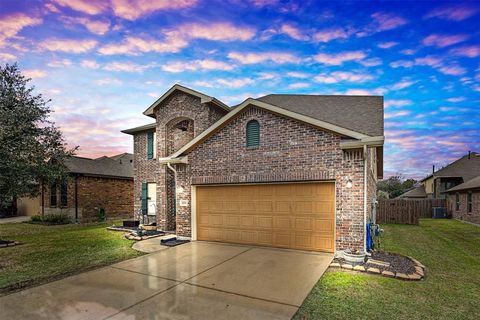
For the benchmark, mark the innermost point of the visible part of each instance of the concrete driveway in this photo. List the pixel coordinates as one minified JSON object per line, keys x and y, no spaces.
{"x":198,"y":280}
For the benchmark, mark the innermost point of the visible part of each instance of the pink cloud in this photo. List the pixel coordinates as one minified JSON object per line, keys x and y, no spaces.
{"x":12,"y":24}
{"x":365,"y":92}
{"x":90,"y":64}
{"x":229,"y":83}
{"x":397,"y":114}
{"x":397,"y":103}
{"x":408,"y":52}
{"x":132,"y":45}
{"x":339,"y":76}
{"x":402,"y":85}
{"x":206,"y":64}
{"x":339,"y":58}
{"x":252,"y":58}
{"x":300,"y":75}
{"x":68,"y":45}
{"x":85,"y":6}
{"x":452,"y":13}
{"x":387,"y":45}
{"x":456,"y":99}
{"x":125,"y":67}
{"x":293,"y":32}
{"x":99,"y":27}
{"x":468,"y":51}
{"x":299,"y":85}
{"x":34,"y":73}
{"x":178,"y":38}
{"x":386,"y":21}
{"x":401,"y":63}
{"x":133,"y":9}
{"x":372,"y":62}
{"x":331,"y":34}
{"x":222,"y":31}
{"x":441,"y":41}
{"x":7,"y":56}
{"x":108,"y":81}
{"x":452,"y":70}
{"x":428,"y":61}
{"x":263,"y":3}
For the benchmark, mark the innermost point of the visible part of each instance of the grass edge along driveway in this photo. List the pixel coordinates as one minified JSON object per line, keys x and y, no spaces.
{"x":49,"y":253}
{"x":451,"y":252}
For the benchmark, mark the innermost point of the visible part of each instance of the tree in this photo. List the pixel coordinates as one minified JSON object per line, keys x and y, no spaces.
{"x":32,"y":149}
{"x":395,"y":185}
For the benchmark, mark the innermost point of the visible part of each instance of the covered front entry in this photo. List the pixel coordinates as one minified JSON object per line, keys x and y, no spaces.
{"x":289,"y":215}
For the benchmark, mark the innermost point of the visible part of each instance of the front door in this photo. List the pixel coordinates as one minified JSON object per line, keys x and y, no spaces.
{"x":151,"y":199}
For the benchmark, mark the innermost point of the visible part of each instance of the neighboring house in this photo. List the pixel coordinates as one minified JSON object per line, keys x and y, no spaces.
{"x":417,"y":192}
{"x":292,"y":171}
{"x":463,"y":201}
{"x":105,"y":182}
{"x":457,"y":172}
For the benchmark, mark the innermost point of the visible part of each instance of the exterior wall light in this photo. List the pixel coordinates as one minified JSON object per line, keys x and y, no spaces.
{"x":349,"y":183}
{"x":180,"y":189}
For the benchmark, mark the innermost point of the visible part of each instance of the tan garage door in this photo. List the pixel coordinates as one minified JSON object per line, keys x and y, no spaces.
{"x":294,"y":215}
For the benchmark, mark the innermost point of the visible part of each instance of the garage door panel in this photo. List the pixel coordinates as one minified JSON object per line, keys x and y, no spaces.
{"x":303,"y":224}
{"x":324,"y":226}
{"x":247,"y":221}
{"x":297,"y":216}
{"x":232,"y":220}
{"x":265,"y":222}
{"x":282,"y":207}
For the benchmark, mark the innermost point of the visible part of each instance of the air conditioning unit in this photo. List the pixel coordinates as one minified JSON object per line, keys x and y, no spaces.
{"x":439,"y":212}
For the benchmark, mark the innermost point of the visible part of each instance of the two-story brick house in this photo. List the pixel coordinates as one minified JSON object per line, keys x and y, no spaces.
{"x":292,"y":171}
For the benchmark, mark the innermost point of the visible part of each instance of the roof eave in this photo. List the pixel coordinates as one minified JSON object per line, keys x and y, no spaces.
{"x":272,"y":108}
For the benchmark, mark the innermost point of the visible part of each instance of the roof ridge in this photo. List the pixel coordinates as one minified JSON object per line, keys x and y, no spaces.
{"x":319,"y":95}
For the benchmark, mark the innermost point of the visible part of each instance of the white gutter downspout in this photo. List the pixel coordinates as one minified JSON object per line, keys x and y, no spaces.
{"x":365,"y":198}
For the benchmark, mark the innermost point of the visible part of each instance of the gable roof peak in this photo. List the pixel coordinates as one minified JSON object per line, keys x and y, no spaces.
{"x":177,"y":87}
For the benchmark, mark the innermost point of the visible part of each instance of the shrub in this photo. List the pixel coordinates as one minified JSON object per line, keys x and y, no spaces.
{"x":51,"y":219}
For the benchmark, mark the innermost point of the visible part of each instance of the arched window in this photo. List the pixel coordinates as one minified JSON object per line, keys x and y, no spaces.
{"x":253,"y":134}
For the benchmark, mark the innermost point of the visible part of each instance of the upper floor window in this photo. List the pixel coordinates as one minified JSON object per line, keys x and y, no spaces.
{"x":53,"y":195}
{"x":151,"y":145}
{"x":469,"y":201}
{"x":253,"y":134}
{"x":457,"y":201}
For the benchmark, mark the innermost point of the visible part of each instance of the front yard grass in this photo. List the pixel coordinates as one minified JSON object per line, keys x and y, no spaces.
{"x":47,"y":253}
{"x":451,"y":252}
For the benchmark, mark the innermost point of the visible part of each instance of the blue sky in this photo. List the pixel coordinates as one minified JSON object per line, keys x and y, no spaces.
{"x":104,"y":62}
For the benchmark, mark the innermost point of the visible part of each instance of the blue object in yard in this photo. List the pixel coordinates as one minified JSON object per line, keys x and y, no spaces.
{"x":439,"y":212}
{"x":369,"y":237}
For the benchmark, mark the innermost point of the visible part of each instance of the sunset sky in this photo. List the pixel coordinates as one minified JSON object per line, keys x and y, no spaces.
{"x":104,"y":62}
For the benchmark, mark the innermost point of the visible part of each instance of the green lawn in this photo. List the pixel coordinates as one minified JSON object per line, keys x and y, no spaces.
{"x":451,"y":252}
{"x":51,"y":252}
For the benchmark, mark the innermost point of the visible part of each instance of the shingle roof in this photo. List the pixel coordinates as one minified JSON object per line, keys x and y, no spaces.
{"x":469,"y":185}
{"x":467,"y":167}
{"x":417,"y":192}
{"x":140,"y":128}
{"x":363,"y":114}
{"x":116,"y":166}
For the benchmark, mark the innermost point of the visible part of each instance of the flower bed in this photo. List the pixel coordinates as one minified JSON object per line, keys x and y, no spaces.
{"x":386,"y":264}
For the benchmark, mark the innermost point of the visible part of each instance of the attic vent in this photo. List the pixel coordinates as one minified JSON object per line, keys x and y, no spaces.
{"x":353,"y":154}
{"x":183,"y":125}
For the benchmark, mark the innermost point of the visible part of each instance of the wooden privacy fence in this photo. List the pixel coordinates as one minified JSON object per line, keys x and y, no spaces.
{"x":406,"y":211}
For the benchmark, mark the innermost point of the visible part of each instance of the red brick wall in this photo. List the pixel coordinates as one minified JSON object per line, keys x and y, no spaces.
{"x":289,"y":151}
{"x":178,"y":107}
{"x":114,"y":195}
{"x":463,"y":213}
